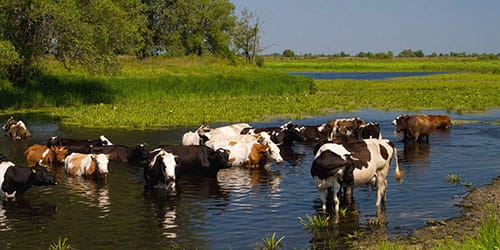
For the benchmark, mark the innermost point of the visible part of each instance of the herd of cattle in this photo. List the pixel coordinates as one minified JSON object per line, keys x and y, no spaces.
{"x":348,"y":153}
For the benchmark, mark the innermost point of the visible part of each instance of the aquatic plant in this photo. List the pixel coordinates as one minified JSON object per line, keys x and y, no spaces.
{"x":271,"y":242}
{"x":61,"y":244}
{"x":453,"y":178}
{"x":316,"y":222}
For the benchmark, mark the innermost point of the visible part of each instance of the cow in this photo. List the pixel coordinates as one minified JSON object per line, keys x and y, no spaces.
{"x":440,"y":121}
{"x":87,"y":165}
{"x":248,"y":150}
{"x":193,"y":138}
{"x":160,"y":170}
{"x":315,"y":133}
{"x":45,"y":155}
{"x":369,"y":131}
{"x":284,"y":136}
{"x":414,"y":127}
{"x":16,"y":130}
{"x":353,"y":165}
{"x":16,"y":180}
{"x":232,"y":129}
{"x":345,"y":126}
{"x":78,"y":145}
{"x":198,"y":159}
{"x":121,"y":153}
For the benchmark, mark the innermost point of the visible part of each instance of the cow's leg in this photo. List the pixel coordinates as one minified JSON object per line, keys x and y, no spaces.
{"x":381,"y":193}
{"x":322,"y":195}
{"x":336,"y":201}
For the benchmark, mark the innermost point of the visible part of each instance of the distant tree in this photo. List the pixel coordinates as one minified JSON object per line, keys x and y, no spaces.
{"x":406,"y":53}
{"x":288,"y":53}
{"x":246,"y":36}
{"x":89,"y":33}
{"x":419,"y":53}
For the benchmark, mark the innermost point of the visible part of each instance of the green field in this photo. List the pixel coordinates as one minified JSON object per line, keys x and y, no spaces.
{"x":164,"y":92}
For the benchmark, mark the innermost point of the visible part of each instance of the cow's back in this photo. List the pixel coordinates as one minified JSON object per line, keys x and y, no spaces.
{"x":77,"y":164}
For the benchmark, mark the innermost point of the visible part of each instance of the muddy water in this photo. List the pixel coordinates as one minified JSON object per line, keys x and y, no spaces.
{"x":241,"y":207}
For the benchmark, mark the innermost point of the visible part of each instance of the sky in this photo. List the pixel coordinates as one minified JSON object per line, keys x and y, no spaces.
{"x":353,"y":26}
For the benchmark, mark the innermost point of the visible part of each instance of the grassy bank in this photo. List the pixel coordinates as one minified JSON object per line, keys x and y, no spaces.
{"x":163,"y":92}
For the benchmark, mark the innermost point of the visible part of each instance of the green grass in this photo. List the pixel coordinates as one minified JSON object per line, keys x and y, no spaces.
{"x":165,"y":92}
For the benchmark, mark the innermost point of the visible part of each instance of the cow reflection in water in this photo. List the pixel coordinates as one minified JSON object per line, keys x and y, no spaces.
{"x":416,"y":154}
{"x":94,"y":193}
{"x":21,"y":209}
{"x":243,"y":180}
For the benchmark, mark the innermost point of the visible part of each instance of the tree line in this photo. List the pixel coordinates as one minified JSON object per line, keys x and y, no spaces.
{"x":406,"y":53}
{"x":91,"y":33}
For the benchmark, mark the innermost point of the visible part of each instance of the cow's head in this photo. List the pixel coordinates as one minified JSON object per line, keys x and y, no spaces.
{"x":102,"y":162}
{"x":288,"y":134}
{"x":402,"y":123}
{"x":41,"y":176}
{"x":10,"y":122}
{"x":272,"y":148}
{"x":168,"y":166}
{"x":60,"y":152}
{"x":140,"y":152}
{"x":220,"y":159}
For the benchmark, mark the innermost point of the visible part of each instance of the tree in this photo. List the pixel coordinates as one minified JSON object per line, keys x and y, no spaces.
{"x":8,"y":58}
{"x":288,"y":53}
{"x":247,"y":35}
{"x":89,"y":33}
{"x":190,"y":26}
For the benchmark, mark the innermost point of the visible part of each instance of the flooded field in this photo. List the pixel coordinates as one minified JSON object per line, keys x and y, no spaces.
{"x":242,"y":206}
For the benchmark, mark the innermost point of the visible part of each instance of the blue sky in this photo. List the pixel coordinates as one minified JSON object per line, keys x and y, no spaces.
{"x":332,"y":26}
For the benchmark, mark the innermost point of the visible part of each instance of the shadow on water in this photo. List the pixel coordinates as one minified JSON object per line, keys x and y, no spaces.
{"x":241,"y":206}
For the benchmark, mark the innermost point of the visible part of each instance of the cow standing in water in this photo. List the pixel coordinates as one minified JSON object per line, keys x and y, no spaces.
{"x":16,"y":130}
{"x":353,"y":165}
{"x":16,"y":180}
{"x":45,"y":155}
{"x":414,"y":127}
{"x":90,"y":165}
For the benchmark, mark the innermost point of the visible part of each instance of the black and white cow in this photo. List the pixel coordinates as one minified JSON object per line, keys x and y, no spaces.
{"x":78,"y":145}
{"x":16,"y":130}
{"x":198,"y":160}
{"x":16,"y":180}
{"x":160,"y":170}
{"x":352,"y":165}
{"x":315,"y":133}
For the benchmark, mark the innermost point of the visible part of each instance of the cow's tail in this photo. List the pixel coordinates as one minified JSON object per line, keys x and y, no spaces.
{"x":398,"y":174}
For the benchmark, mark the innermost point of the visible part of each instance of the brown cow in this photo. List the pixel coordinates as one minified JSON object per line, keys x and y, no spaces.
{"x":16,"y":130}
{"x":415,"y":127}
{"x":440,"y":121}
{"x":45,"y":155}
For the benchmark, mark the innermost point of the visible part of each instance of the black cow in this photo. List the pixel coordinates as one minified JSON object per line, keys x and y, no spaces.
{"x":122,"y":153}
{"x":78,"y":145}
{"x":370,"y":130}
{"x":198,"y":159}
{"x":16,"y":180}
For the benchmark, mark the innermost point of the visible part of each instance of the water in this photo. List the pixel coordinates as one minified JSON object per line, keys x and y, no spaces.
{"x":241,"y":207}
{"x":361,"y":75}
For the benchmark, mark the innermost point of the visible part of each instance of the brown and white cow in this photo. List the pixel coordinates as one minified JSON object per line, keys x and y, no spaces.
{"x":45,"y":155}
{"x":353,"y":165}
{"x":89,"y":165}
{"x":248,"y":150}
{"x":344,"y":127}
{"x":16,"y":130}
{"x":414,"y":127}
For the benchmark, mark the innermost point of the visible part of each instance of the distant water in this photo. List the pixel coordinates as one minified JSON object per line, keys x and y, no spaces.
{"x":361,"y":75}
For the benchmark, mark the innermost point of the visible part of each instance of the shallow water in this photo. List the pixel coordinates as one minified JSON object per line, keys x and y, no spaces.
{"x":241,"y":207}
